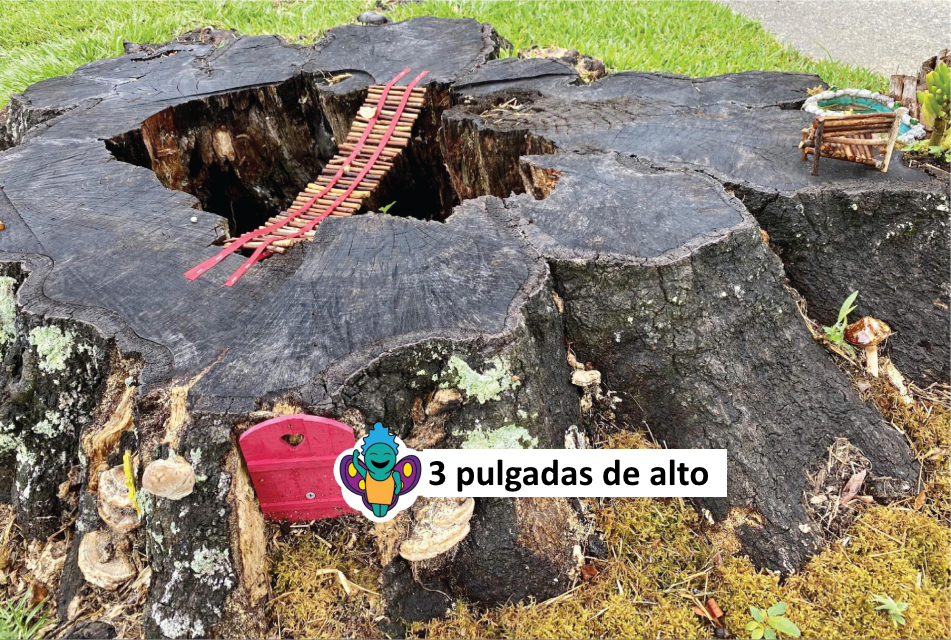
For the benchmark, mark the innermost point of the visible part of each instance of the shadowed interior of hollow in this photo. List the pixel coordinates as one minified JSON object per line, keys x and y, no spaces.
{"x":247,"y":154}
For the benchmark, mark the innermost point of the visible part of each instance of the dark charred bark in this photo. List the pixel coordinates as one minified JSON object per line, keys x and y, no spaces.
{"x":681,"y":306}
{"x":850,"y":228}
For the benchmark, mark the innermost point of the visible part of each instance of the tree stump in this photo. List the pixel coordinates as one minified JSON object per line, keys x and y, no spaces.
{"x":117,"y":179}
{"x":681,"y":306}
{"x":883,"y":234}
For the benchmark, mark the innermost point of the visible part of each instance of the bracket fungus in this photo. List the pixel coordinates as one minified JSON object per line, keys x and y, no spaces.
{"x":172,"y":478}
{"x":440,"y":525}
{"x":104,"y":559}
{"x":867,"y":332}
{"x":113,"y":501}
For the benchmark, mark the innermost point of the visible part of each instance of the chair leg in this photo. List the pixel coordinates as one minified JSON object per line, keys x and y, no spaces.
{"x":892,"y":137}
{"x":818,"y":152}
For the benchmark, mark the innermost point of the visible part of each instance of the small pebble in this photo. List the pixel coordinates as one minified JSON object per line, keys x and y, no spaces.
{"x":194,"y":218}
{"x":372,"y":18}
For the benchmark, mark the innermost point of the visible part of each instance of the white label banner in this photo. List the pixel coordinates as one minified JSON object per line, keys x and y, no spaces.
{"x":538,"y":473}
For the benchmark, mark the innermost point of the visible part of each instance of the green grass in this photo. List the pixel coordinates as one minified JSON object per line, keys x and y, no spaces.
{"x":18,"y":620}
{"x":44,"y":39}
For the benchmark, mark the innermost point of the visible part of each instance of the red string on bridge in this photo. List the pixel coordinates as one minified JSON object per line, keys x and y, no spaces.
{"x":199,"y":269}
{"x":243,"y":269}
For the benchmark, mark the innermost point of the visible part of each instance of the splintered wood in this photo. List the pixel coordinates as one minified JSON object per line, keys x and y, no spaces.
{"x":397,"y":141}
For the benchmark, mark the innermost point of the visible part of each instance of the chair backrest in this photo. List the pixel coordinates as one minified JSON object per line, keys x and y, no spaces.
{"x":865,"y":122}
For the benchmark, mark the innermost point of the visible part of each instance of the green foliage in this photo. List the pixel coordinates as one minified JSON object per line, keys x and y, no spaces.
{"x":894,"y":609}
{"x":936,"y":103}
{"x":40,"y":40}
{"x":941,"y":152}
{"x":386,"y":208}
{"x":836,"y":333}
{"x":771,"y":622}
{"x":18,"y":620}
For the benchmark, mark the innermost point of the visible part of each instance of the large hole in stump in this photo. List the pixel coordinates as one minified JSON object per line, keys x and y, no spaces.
{"x":247,"y":154}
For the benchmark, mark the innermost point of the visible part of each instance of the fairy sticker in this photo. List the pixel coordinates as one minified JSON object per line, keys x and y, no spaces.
{"x":381,"y":477}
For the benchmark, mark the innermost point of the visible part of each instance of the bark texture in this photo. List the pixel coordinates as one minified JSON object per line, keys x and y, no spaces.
{"x":885,"y":235}
{"x":681,"y":305}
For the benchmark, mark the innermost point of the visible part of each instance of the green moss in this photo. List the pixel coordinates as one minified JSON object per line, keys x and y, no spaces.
{"x":53,"y":346}
{"x":309,"y":601}
{"x":889,"y":551}
{"x":509,"y":436}
{"x":8,"y":310}
{"x":484,"y":386}
{"x":659,"y":560}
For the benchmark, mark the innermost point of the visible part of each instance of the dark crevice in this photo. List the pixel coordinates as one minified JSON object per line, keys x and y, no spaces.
{"x":246,"y":154}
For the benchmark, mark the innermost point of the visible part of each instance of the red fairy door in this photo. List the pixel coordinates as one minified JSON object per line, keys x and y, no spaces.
{"x":291,"y":461}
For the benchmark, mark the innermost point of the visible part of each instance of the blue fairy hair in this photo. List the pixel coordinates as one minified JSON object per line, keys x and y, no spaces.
{"x":379,"y":435}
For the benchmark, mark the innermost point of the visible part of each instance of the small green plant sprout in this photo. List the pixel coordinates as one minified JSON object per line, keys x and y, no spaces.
{"x":894,"y":609}
{"x":386,"y":208}
{"x":836,"y":333}
{"x":18,"y":620}
{"x":769,"y":623}
{"x":942,"y":152}
{"x":935,"y":102}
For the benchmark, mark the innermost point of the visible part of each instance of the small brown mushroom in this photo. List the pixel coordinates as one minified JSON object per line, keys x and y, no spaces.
{"x":172,"y":478}
{"x":867,"y":333}
{"x":440,"y":525}
{"x":104,"y":559}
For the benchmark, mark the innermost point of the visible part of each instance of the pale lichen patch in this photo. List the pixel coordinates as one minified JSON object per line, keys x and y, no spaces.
{"x":509,"y":436}
{"x":54,"y":347}
{"x":51,"y":425}
{"x":8,"y":438}
{"x":8,"y":310}
{"x":484,"y":386}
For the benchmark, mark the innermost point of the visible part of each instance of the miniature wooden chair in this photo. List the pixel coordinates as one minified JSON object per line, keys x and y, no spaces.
{"x":853,"y":138}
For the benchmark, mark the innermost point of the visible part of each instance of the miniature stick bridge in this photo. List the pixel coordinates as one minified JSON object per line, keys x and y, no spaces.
{"x":379,"y":133}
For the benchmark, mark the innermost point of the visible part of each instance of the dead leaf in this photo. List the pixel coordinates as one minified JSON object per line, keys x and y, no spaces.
{"x":714,"y":608}
{"x":417,"y":413}
{"x":817,"y":499}
{"x":588,"y":571}
{"x":920,"y":500}
{"x":852,"y":487}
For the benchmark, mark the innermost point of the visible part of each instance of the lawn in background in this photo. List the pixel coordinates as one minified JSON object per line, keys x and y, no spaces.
{"x":41,"y":40}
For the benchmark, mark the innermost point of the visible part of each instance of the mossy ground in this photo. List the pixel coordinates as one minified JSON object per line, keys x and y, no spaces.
{"x":310,"y":603}
{"x":661,"y":563}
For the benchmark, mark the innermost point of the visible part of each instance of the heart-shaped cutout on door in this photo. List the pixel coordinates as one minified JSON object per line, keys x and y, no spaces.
{"x":293,"y":439}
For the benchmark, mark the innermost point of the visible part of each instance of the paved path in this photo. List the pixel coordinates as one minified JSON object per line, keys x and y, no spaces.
{"x":887,"y":36}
